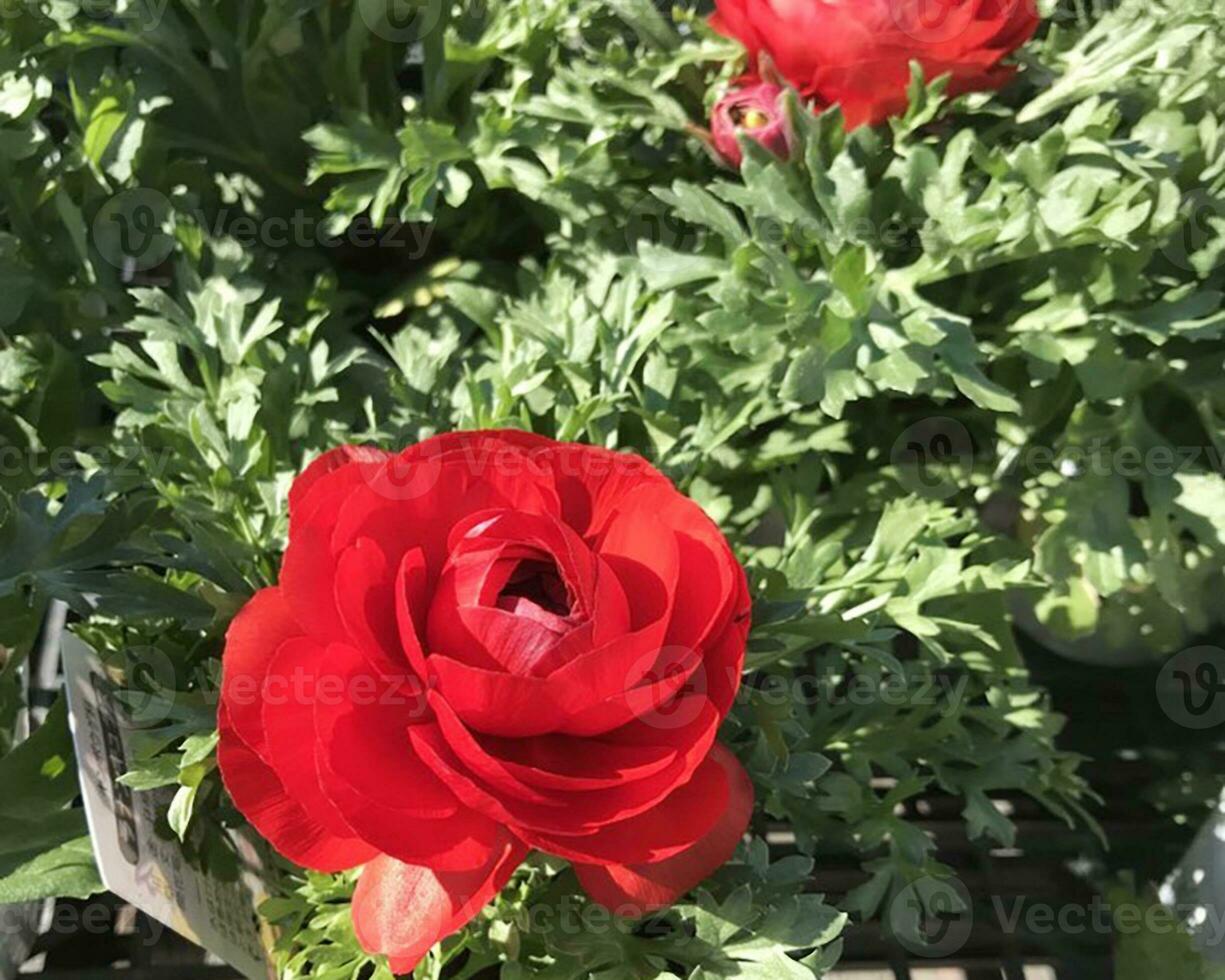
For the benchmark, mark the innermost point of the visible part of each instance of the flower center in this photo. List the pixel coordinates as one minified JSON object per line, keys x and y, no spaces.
{"x":537,"y":581}
{"x":749,"y":118}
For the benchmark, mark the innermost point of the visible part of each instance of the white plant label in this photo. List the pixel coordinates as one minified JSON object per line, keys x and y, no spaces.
{"x":135,"y":863}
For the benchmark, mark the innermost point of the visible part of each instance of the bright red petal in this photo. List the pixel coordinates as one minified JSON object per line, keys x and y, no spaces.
{"x":289,"y":729}
{"x":365,"y":598}
{"x":671,"y":825}
{"x":496,"y":703}
{"x":411,"y":602}
{"x":251,"y":642}
{"x":591,"y":481}
{"x":369,"y":771}
{"x":261,"y":798}
{"x":551,"y":762}
{"x":305,"y":834}
{"x":420,"y":495}
{"x":640,"y":888}
{"x":308,"y":582}
{"x":357,"y":462}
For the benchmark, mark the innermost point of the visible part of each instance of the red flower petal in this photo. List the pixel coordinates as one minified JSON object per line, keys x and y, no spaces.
{"x":858,"y":55}
{"x":411,"y":604}
{"x":644,"y":554}
{"x":313,"y":840}
{"x":424,"y":492}
{"x":579,"y":626}
{"x":471,"y":620}
{"x":308,"y":582}
{"x":258,"y":793}
{"x":669,"y":675}
{"x":365,"y":598}
{"x":369,"y":771}
{"x":590,"y":481}
{"x":491,"y":786}
{"x":494,"y":702}
{"x":552,"y":761}
{"x":302,"y":497}
{"x":638,"y":821}
{"x":251,"y":642}
{"x":289,"y":729}
{"x":402,"y":910}
{"x":673,"y":825}
{"x":641,"y":888}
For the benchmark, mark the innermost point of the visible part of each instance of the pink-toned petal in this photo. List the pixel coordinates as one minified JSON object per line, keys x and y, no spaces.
{"x":401,"y":910}
{"x":496,"y":640}
{"x":476,"y":619}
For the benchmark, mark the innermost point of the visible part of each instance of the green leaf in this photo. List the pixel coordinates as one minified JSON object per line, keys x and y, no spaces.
{"x":40,"y":774}
{"x":66,"y":871}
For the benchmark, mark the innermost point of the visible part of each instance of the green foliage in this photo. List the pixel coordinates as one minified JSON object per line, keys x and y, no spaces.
{"x":936,"y":381}
{"x":44,"y":845}
{"x":1159,"y":944}
{"x":316,"y":930}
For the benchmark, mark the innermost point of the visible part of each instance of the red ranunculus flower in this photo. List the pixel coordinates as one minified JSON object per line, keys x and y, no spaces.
{"x":756,"y":110}
{"x":488,"y":643}
{"x":857,"y":53}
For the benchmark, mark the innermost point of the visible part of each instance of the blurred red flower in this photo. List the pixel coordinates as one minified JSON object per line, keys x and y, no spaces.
{"x":856,"y":53}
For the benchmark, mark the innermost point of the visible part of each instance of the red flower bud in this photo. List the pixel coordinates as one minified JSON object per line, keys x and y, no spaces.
{"x":754,"y":110}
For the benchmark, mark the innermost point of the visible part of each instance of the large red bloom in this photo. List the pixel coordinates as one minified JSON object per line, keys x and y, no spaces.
{"x":857,"y":53}
{"x":488,"y":643}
